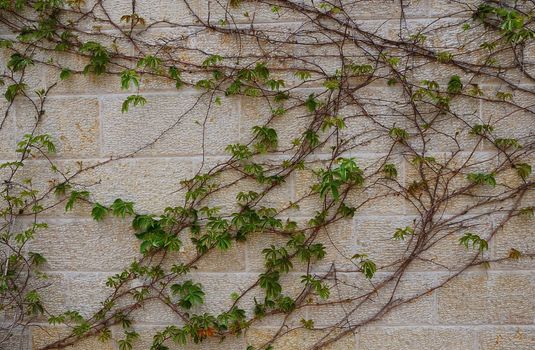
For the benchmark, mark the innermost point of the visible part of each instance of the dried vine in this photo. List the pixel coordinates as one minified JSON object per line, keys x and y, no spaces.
{"x":355,"y":117}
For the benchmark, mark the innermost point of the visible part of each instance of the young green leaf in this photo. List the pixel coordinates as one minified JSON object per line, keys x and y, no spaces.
{"x":65,"y":74}
{"x":482,"y":179}
{"x":121,"y":208}
{"x":523,"y":170}
{"x":136,"y":100}
{"x":75,"y":196}
{"x":99,"y":212}
{"x":474,"y":240}
{"x":454,"y":85}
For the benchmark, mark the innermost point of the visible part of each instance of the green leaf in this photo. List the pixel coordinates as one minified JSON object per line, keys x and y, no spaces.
{"x":212,"y":60}
{"x":474,"y":240}
{"x":145,"y":247}
{"x":307,"y":324}
{"x":347,"y":212}
{"x":143,"y":222}
{"x":36,"y":258}
{"x":129,"y":77}
{"x":33,"y":303}
{"x":390,"y":171}
{"x":223,"y":241}
{"x":99,"y":58}
{"x":368,"y":268}
{"x":504,"y":96}
{"x":13,"y":90}
{"x":121,"y":208}
{"x":75,"y":195}
{"x":266,"y":137}
{"x":482,"y":179}
{"x":151,"y":62}
{"x":99,"y":212}
{"x":332,"y":84}
{"x":444,"y":57}
{"x":392,"y":82}
{"x":136,"y":100}
{"x":175,"y":74}
{"x":505,"y":143}
{"x":65,"y":73}
{"x":347,"y":173}
{"x":311,"y":103}
{"x":18,"y":62}
{"x":312,"y":138}
{"x":6,"y":44}
{"x":270,"y":282}
{"x":303,"y":75}
{"x":62,"y":188}
{"x":398,"y":134}
{"x":481,"y":129}
{"x":285,"y":304}
{"x":104,"y":335}
{"x":54,"y":320}
{"x":454,"y":85}
{"x":191,"y":294}
{"x":527,"y":212}
{"x":360,"y":69}
{"x":401,"y":233}
{"x":523,"y":170}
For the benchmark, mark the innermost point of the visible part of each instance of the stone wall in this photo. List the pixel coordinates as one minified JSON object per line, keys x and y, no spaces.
{"x":485,"y":308}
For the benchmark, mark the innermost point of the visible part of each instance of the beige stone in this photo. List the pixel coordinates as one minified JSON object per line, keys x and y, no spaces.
{"x":494,"y":299}
{"x":85,"y":245}
{"x":180,"y":133}
{"x":298,"y":339}
{"x":176,"y":130}
{"x":521,"y":338}
{"x":406,"y":338}
{"x":73,"y":124}
{"x":47,"y":335}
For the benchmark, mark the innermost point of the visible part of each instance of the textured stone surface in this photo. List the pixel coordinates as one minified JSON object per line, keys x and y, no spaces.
{"x":296,"y":340}
{"x":502,"y":338}
{"x":44,"y":336}
{"x":406,"y":338}
{"x":504,"y":298}
{"x":177,"y":128}
{"x":179,"y":133}
{"x":17,"y":339}
{"x":72,"y":122}
{"x":85,"y":245}
{"x":8,"y":132}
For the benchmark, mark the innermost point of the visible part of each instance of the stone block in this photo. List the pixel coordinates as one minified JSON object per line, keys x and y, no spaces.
{"x":43,"y":336}
{"x":517,"y":234}
{"x":246,"y":12}
{"x":439,"y":8}
{"x":8,"y":132}
{"x":17,"y":339}
{"x":177,"y":124}
{"x":406,"y":338}
{"x":151,"y":183}
{"x":493,"y":299}
{"x":86,"y":291}
{"x":73,"y":124}
{"x":506,"y":338}
{"x":298,"y":339}
{"x":84,"y":245}
{"x":373,"y":236}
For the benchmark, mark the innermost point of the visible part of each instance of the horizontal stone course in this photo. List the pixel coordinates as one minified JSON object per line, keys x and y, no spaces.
{"x":179,"y":127}
{"x":181,"y":132}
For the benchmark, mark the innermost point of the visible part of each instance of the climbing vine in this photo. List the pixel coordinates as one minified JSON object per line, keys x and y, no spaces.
{"x":356,"y":119}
